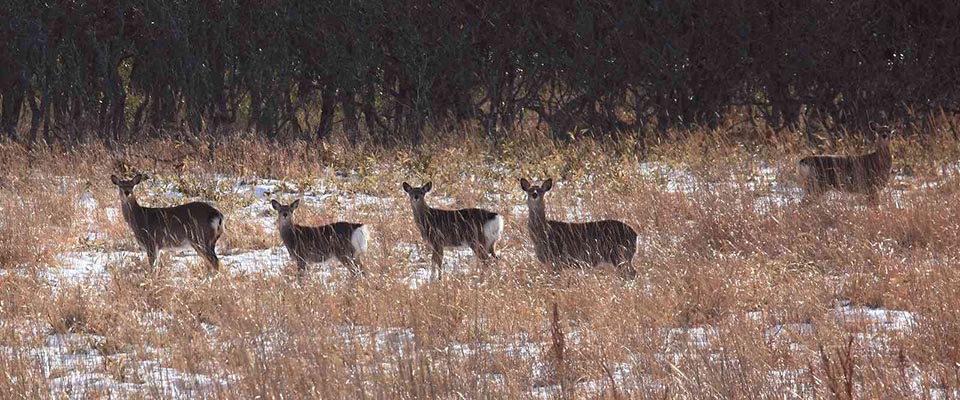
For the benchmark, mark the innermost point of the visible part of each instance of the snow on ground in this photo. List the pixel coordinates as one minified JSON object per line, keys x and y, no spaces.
{"x":458,"y":261}
{"x":669,"y":178}
{"x":83,"y":266}
{"x":75,"y":366}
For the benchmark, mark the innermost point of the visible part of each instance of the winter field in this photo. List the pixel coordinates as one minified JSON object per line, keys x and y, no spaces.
{"x":741,"y":293}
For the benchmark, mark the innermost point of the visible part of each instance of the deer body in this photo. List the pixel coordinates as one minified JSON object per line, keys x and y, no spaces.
{"x":565,"y":244}
{"x":343,"y":241}
{"x":475,"y":228}
{"x":197,"y":225}
{"x":864,"y":174}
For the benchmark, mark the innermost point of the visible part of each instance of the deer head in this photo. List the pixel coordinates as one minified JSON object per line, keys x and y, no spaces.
{"x":535,"y":193}
{"x":884,"y":134}
{"x":285,"y":213}
{"x":417,"y":194}
{"x":125,"y":187}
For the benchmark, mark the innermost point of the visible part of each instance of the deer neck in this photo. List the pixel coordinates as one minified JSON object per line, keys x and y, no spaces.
{"x":130,"y":208}
{"x":884,"y":156}
{"x":420,"y":211}
{"x":284,"y":225}
{"x":884,"y":151}
{"x":537,"y":219}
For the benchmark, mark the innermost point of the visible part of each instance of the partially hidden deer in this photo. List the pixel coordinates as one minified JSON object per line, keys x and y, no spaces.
{"x":864,"y":174}
{"x":197,"y":225}
{"x":343,"y":241}
{"x":561,"y":245}
{"x":475,"y":228}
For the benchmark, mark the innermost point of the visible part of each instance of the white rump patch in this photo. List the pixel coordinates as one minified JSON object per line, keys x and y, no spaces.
{"x":359,"y":239}
{"x":492,"y":230}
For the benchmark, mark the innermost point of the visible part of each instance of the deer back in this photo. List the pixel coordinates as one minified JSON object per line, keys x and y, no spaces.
{"x":194,"y":223}
{"x":848,"y":173}
{"x":453,"y":227}
{"x":319,"y":243}
{"x":592,"y":243}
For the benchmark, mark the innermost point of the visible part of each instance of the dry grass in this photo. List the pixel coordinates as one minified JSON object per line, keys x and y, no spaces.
{"x":737,"y":295}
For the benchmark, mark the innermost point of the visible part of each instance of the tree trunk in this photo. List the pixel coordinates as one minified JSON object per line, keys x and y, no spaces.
{"x":34,"y":120}
{"x":10,"y":115}
{"x":328,"y":102}
{"x":351,"y":125}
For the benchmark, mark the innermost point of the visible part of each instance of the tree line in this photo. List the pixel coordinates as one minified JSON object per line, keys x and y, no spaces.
{"x":386,"y":70}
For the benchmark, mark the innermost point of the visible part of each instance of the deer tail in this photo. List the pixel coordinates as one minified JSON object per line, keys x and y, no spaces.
{"x":359,"y":239}
{"x":492,"y":230}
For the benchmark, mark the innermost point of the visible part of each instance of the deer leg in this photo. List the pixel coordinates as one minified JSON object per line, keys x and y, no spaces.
{"x":483,"y":256}
{"x":493,"y":250}
{"x":301,"y":268}
{"x":151,"y":256}
{"x":873,"y":197}
{"x":555,"y":266}
{"x":811,"y":190}
{"x":438,"y":261}
{"x":209,"y":256}
{"x":810,"y":195}
{"x":627,"y":270}
{"x":359,"y":266}
{"x":212,"y":260}
{"x":352,"y":263}
{"x":480,"y":251}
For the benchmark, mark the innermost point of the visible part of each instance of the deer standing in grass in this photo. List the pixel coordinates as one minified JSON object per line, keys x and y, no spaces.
{"x":865,"y":174}
{"x":344,"y":241}
{"x":566,"y":244}
{"x":475,"y":228}
{"x":197,"y":225}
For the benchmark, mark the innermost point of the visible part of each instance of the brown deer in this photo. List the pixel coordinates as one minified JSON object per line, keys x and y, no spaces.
{"x":197,"y":225}
{"x":343,"y":241}
{"x":566,"y":244}
{"x":475,"y":228}
{"x":865,"y":174}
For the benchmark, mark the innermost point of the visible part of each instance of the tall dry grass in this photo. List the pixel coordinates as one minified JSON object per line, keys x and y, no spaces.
{"x":737,"y":295}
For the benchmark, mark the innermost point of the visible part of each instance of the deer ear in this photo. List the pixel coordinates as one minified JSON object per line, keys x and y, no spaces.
{"x":275,"y":204}
{"x":137,"y":179}
{"x":295,"y":204}
{"x":427,"y":187}
{"x":524,"y":184}
{"x":406,"y":187}
{"x":115,"y":180}
{"x":547,"y":185}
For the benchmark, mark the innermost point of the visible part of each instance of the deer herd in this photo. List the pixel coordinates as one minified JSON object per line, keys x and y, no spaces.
{"x":556,"y":244}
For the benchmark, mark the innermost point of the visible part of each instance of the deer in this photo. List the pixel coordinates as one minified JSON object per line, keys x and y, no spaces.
{"x":475,"y":228}
{"x":343,"y":241}
{"x":196,"y":224}
{"x":864,"y":174}
{"x":560,"y":245}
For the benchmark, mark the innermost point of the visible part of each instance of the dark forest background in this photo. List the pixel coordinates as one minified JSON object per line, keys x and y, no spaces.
{"x":389,"y":70}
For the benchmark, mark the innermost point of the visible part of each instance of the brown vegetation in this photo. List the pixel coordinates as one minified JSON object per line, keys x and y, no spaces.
{"x":740,"y":293}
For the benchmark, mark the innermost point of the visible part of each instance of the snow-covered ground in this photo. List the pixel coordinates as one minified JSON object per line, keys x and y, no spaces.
{"x":75,"y":366}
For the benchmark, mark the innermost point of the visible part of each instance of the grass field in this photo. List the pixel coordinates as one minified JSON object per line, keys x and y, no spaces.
{"x":741,"y":293}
